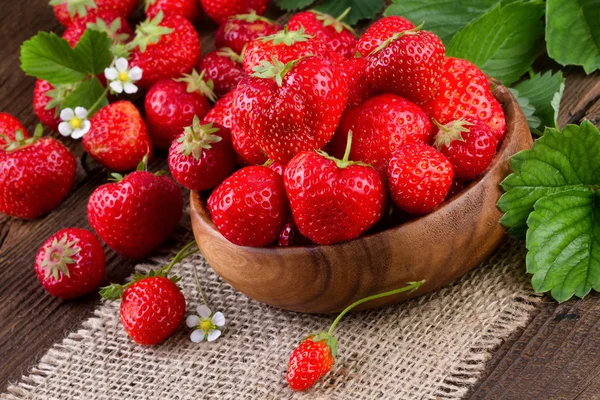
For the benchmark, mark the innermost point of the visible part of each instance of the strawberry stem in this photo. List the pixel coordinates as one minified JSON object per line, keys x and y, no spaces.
{"x":199,"y":286}
{"x":182,"y":255}
{"x":348,"y":148}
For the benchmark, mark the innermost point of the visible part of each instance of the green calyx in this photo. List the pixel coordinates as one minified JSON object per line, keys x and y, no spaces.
{"x":111,"y":30}
{"x":344,"y":162}
{"x":232,"y":55}
{"x":450,"y":132}
{"x":329,"y":340}
{"x":149,"y":32}
{"x":197,"y":84}
{"x":274,"y":69}
{"x":251,"y":17}
{"x":147,"y":4}
{"x":395,"y":37}
{"x":198,"y":138}
{"x":21,"y":141}
{"x":287,"y":37}
{"x":336,"y":23}
{"x":141,"y":167}
{"x":76,"y":7}
{"x":58,"y":257}
{"x":58,"y":95}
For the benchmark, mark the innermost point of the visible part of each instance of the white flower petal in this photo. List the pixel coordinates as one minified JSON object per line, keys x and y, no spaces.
{"x":111,"y":74}
{"x":135,"y":74}
{"x":130,"y":88}
{"x":67,"y":114}
{"x":81,"y":112}
{"x":117,"y":86}
{"x":218,"y":319}
{"x":197,"y":336}
{"x":79,"y":133}
{"x":203,"y":311}
{"x":122,"y":65}
{"x":65,"y":128}
{"x":213,"y":335}
{"x":192,"y":321}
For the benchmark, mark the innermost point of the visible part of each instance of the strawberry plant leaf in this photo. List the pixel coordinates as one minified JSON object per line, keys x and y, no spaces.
{"x":294,"y":5}
{"x":557,"y":162}
{"x":542,"y":90}
{"x":359,"y":9}
{"x":563,"y":243}
{"x":528,"y":109}
{"x":504,"y":41}
{"x":94,"y":49}
{"x":573,"y":32}
{"x":87,"y":95}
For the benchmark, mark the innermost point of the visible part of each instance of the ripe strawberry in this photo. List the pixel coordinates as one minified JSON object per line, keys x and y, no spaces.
{"x":221,"y":10}
{"x":275,"y":166}
{"x":172,"y":104}
{"x":338,"y":36}
{"x":70,"y":264}
{"x":285,"y":111}
{"x":9,"y":126}
{"x":118,"y":137}
{"x":381,"y":31}
{"x":67,"y":11}
{"x":290,"y":236}
{"x":188,"y":9}
{"x":408,"y":64}
{"x":419,"y":178}
{"x":224,"y":68}
{"x":202,"y":157}
{"x":285,"y":46}
{"x":312,"y":359}
{"x":333,"y":200}
{"x":464,"y":92}
{"x":247,"y":148}
{"x":45,"y":100}
{"x":136,"y":214}
{"x":239,"y":30}
{"x":36,"y":174}
{"x":115,"y":26}
{"x":222,"y":112}
{"x":470,"y":145}
{"x":250,"y":207}
{"x":380,"y":126}
{"x":165,"y":47}
{"x":354,"y":72}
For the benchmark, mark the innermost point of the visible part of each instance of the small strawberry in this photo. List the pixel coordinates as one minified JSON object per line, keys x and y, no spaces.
{"x":224,"y":68}
{"x":380,"y":126}
{"x":290,"y":236}
{"x":9,"y":126}
{"x":172,"y":104}
{"x":46,"y":99}
{"x":338,"y":36}
{"x":419,"y":178}
{"x":222,"y":112}
{"x":464,"y":92}
{"x":67,"y":11}
{"x":221,"y":10}
{"x":290,"y":108}
{"x":408,"y":64}
{"x":470,"y":145}
{"x":333,"y":200}
{"x":250,"y":208}
{"x":136,"y":214}
{"x":239,"y":30}
{"x":36,"y":174}
{"x":118,"y":137}
{"x":115,"y":26}
{"x":381,"y":31}
{"x":202,"y":157}
{"x":188,"y":9}
{"x":71,"y":263}
{"x":164,"y":47}
{"x":285,"y":46}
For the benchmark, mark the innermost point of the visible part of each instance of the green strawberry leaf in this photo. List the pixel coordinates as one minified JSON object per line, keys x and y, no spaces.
{"x":294,"y":5}
{"x":557,"y":162}
{"x":573,"y":32}
{"x":564,"y":243}
{"x":90,"y":94}
{"x":94,"y":49}
{"x":528,"y":109}
{"x":542,"y":91}
{"x":504,"y":41}
{"x":359,"y":9}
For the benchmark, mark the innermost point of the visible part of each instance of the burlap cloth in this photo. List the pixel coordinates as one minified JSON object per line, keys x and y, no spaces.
{"x":434,"y":347}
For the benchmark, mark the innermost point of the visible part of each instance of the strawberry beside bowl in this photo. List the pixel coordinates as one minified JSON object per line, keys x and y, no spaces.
{"x":438,"y":247}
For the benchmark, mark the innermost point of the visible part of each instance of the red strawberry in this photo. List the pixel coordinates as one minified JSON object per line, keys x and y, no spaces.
{"x":464,"y":91}
{"x":312,"y":359}
{"x":188,"y":9}
{"x":165,"y":48}
{"x":381,"y":31}
{"x":285,"y":46}
{"x":136,"y":214}
{"x":224,"y":68}
{"x":67,"y":11}
{"x":240,"y":30}
{"x":290,"y":108}
{"x":419,"y":178}
{"x":290,"y":236}
{"x":115,"y":26}
{"x":380,"y":126}
{"x":221,"y":10}
{"x":408,"y":64}
{"x":338,"y":36}
{"x":9,"y":126}
{"x":246,"y":147}
{"x":45,"y":100}
{"x":275,"y":166}
{"x":333,"y":200}
{"x":118,"y":137}
{"x":354,"y":72}
{"x":172,"y":104}
{"x":222,"y":112}
{"x":469,"y":145}
{"x":202,"y":157}
{"x":70,"y":264}
{"x":36,"y":174}
{"x":250,"y":207}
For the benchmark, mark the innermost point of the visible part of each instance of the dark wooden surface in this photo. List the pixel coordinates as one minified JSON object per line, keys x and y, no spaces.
{"x":557,"y":356}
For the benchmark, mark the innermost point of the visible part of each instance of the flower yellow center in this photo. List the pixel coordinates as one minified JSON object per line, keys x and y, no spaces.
{"x":206,"y":325}
{"x":123,"y":76}
{"x":76,"y":123}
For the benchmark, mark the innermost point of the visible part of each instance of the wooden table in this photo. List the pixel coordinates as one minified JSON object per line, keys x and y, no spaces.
{"x":557,"y":356}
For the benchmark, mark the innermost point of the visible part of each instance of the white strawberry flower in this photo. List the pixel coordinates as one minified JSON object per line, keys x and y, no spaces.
{"x":74,"y":122}
{"x":122,"y":78}
{"x":208,"y":325}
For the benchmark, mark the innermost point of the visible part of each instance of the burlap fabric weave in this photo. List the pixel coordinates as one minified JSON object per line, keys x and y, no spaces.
{"x":434,"y":347}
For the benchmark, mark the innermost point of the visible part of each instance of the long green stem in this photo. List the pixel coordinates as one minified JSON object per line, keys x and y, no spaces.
{"x":92,"y":109}
{"x":410,"y":287}
{"x":200,"y":287}
{"x":182,"y":255}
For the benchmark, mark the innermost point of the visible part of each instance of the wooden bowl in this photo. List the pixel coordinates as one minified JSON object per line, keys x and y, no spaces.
{"x":438,"y":247}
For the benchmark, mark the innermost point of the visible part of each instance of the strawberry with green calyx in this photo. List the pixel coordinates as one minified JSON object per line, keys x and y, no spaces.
{"x":115,"y":26}
{"x":188,"y":9}
{"x":316,"y":354}
{"x":221,"y":10}
{"x":203,"y":156}
{"x":47,"y":100}
{"x":68,"y":11}
{"x":238,"y":31}
{"x":9,"y":128}
{"x":381,"y":31}
{"x":224,"y":68}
